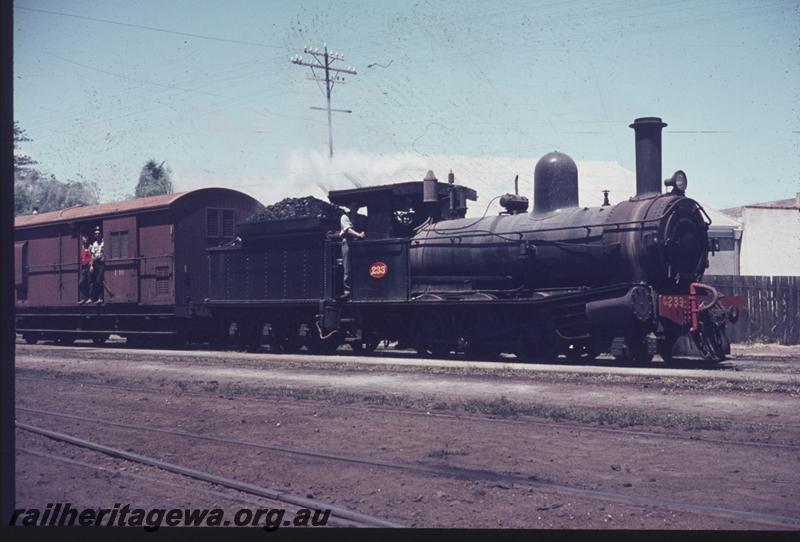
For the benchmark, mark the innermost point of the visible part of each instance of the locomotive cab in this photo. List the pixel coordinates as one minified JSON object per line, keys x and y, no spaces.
{"x":398,"y":210}
{"x":380,"y":263}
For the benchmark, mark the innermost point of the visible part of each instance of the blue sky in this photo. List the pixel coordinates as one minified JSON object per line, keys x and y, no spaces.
{"x":209,"y":88}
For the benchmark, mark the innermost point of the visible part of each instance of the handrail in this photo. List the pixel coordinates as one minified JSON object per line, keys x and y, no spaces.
{"x":502,"y":235}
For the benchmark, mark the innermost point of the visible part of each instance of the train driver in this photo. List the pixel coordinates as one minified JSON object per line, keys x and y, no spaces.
{"x":349,"y":233}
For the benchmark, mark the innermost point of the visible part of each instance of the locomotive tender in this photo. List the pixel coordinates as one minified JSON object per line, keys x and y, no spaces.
{"x":562,"y":279}
{"x":559,"y":280}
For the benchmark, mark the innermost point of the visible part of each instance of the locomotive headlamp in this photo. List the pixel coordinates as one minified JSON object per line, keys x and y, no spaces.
{"x":678,"y":182}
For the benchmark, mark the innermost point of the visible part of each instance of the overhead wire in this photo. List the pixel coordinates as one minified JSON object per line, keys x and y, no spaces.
{"x":151,"y":28}
{"x":409,"y":93}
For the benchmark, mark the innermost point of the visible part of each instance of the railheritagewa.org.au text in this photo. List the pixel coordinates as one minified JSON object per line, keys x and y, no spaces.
{"x":65,"y":515}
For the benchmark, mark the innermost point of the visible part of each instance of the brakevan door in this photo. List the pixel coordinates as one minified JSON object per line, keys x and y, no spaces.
{"x":122,"y":262}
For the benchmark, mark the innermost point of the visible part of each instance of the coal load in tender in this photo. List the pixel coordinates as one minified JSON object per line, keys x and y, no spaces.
{"x":307,"y":207}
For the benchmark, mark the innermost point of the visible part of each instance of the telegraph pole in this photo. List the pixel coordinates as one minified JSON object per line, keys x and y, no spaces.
{"x":323,"y":60}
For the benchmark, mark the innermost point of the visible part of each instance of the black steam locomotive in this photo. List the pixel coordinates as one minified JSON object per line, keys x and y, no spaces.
{"x":560,"y":280}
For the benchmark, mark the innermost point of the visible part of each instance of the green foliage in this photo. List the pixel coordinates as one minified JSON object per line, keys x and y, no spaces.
{"x":32,"y":188}
{"x":154,"y":180}
{"x":21,"y":161}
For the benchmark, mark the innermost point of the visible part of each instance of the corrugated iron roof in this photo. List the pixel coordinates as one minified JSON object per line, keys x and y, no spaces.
{"x":88,"y":211}
{"x":84,"y":212}
{"x":788,"y":203}
{"x":720,"y":220}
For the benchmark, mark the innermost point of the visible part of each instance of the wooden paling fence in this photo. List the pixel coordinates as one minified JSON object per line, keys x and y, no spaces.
{"x":771,"y":305}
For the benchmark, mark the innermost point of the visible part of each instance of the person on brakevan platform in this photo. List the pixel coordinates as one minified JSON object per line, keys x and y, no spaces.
{"x":98,"y":266}
{"x":84,"y":277}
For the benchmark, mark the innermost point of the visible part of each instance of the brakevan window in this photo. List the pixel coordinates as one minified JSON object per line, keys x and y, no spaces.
{"x":220,"y":222}
{"x":119,"y":245}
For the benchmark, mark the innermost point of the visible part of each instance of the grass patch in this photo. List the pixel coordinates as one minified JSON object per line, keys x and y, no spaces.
{"x":500,"y":407}
{"x":505,"y":408}
{"x":444,"y":453}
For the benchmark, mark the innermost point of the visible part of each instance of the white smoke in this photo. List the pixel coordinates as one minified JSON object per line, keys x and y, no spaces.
{"x":312,"y":172}
{"x":351,"y":168}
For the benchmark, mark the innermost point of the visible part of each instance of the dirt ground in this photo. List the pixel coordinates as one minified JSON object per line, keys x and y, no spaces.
{"x":483,"y":444}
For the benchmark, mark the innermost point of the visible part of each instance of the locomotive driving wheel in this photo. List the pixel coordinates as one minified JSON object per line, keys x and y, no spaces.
{"x":666,"y":344}
{"x":710,"y":337}
{"x":636,"y":351}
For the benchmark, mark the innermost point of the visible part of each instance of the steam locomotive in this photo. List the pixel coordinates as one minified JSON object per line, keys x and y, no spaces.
{"x":560,"y":280}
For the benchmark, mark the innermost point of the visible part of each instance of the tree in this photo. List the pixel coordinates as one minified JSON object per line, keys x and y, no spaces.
{"x":34,"y":189}
{"x":154,"y":180}
{"x":21,"y":161}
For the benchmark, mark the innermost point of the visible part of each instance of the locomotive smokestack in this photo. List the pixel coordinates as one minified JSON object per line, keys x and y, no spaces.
{"x":648,"y":154}
{"x":555,"y":183}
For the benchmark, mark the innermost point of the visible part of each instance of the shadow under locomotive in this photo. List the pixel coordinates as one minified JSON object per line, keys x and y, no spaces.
{"x":562,"y":280}
{"x":391,"y":352}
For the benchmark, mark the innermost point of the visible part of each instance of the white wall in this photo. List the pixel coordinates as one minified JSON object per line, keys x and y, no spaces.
{"x":725,"y":262}
{"x":771,"y":241}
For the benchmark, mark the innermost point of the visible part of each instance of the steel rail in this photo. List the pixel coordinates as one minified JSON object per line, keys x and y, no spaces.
{"x":212,"y":478}
{"x":528,"y":418}
{"x":481,"y":474}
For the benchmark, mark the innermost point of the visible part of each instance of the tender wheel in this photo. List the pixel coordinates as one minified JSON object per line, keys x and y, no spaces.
{"x":253,"y":336}
{"x":484,"y":353}
{"x":134,"y":341}
{"x":291,"y":344}
{"x":65,"y":340}
{"x":284,"y":337}
{"x":323,"y":347}
{"x":29,"y":339}
{"x":316,"y":344}
{"x":242,"y":336}
{"x":581,"y":352}
{"x":365,"y":347}
{"x":434,"y":350}
{"x":175,"y":342}
{"x":540,"y":351}
{"x":100,"y":340}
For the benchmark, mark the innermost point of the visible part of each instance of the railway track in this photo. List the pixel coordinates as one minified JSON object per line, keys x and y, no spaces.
{"x":410,"y":359}
{"x":273,"y":494}
{"x":426,"y":470}
{"x":525,"y":421}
